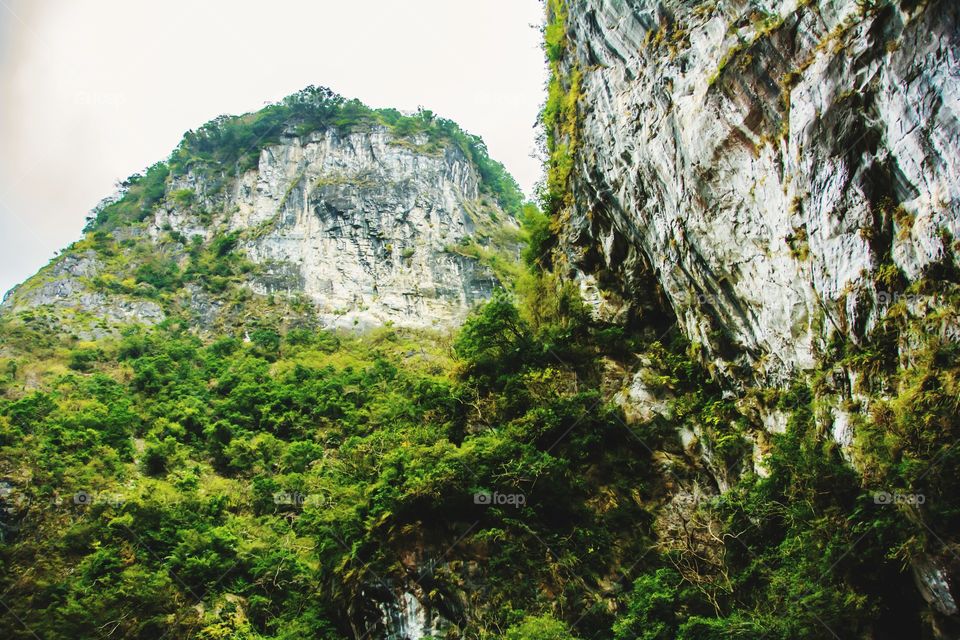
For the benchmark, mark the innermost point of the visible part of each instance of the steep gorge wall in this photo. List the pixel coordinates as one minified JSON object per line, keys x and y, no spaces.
{"x":784,"y":178}
{"x":765,"y":162}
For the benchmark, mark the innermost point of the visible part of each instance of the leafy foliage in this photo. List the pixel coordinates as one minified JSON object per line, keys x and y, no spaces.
{"x":140,"y":192}
{"x":559,"y":115}
{"x":183,"y":447}
{"x":539,"y":628}
{"x":275,"y":475}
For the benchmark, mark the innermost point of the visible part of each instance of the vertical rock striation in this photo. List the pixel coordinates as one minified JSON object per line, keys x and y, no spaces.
{"x":764,"y":161}
{"x":364,"y":224}
{"x":783,"y":177}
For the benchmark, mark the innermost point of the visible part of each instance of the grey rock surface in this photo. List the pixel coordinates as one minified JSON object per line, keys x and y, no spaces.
{"x":366,"y":227}
{"x":761,"y":192}
{"x":361,"y":223}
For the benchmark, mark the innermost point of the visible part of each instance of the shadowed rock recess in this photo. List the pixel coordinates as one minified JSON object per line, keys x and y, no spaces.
{"x":324,"y":374}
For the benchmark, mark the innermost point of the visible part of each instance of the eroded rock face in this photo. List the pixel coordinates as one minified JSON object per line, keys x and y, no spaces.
{"x":764,"y":191}
{"x":774,"y":171}
{"x":353,"y":229}
{"x":64,"y":286}
{"x":366,"y":225}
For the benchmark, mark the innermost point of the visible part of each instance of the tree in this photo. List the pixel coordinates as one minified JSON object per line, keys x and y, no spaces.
{"x":267,"y":341}
{"x":651,"y":608}
{"x":495,"y":342}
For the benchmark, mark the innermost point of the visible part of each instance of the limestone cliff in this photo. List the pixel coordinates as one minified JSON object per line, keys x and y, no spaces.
{"x":376,"y":218}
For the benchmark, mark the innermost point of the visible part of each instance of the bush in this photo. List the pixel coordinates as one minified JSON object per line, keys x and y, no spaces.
{"x":183,"y":197}
{"x":730,"y":628}
{"x":163,"y":275}
{"x":140,"y":192}
{"x":266,"y":341}
{"x":539,"y":628}
{"x":83,"y":359}
{"x":651,"y":611}
{"x":157,"y":456}
{"x":540,"y":237}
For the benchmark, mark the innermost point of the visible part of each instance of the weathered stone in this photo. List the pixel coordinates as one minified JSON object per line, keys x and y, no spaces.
{"x":367,"y":227}
{"x":751,"y":163}
{"x":360,"y":224}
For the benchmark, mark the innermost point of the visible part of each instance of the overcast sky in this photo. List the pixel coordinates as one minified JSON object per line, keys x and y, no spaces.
{"x":92,"y":91}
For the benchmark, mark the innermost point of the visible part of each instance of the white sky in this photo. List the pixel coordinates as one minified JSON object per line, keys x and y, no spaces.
{"x":92,"y":91}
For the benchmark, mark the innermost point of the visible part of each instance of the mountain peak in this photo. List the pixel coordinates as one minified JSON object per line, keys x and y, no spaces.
{"x":314,"y":207}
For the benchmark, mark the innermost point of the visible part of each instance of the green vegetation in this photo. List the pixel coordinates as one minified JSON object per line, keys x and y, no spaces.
{"x":183,"y":446}
{"x":559,"y":116}
{"x":540,"y":237}
{"x":139,"y":195}
{"x":256,"y":484}
{"x":799,"y":244}
{"x":539,"y":628}
{"x":183,"y":197}
{"x":495,"y":243}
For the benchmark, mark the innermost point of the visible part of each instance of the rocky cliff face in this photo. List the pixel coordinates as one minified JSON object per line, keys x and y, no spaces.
{"x":763,"y":162}
{"x":366,"y":225}
{"x":784,"y":179}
